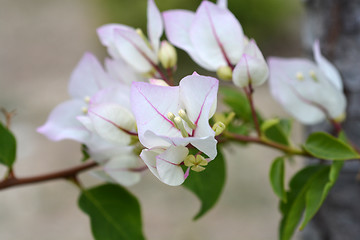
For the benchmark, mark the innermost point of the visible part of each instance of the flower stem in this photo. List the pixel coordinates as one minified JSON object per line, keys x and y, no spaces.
{"x":249,"y":91}
{"x":284,"y":148}
{"x":70,"y":173}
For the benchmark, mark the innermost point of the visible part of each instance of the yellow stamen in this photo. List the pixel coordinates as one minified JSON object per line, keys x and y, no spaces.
{"x":185,"y":117}
{"x":300,"y":76}
{"x":87,"y":99}
{"x":313,"y":75}
{"x":179,"y":124}
{"x":142,"y":35}
{"x":84,"y":110}
{"x":170,"y":116}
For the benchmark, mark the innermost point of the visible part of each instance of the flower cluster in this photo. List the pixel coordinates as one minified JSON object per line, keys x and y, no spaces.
{"x":131,"y":116}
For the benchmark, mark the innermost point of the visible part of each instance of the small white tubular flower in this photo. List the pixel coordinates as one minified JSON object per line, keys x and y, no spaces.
{"x":212,"y":36}
{"x":252,"y":67}
{"x":176,"y":116}
{"x":131,"y":44}
{"x":165,"y":163}
{"x":305,"y":91}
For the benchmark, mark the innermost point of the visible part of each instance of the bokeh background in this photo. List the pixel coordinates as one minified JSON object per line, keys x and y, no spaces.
{"x":41,"y":41}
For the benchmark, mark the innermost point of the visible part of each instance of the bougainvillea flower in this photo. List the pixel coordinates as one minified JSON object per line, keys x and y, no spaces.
{"x":212,"y":36}
{"x":176,"y":116}
{"x":121,"y":71}
{"x":131,"y":45}
{"x":252,"y":67}
{"x":119,"y":164}
{"x":109,"y":115}
{"x":87,"y":79}
{"x":165,"y":163}
{"x":308,"y":91}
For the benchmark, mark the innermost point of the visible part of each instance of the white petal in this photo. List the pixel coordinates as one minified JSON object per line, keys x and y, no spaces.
{"x":119,"y":94}
{"x":134,"y":50}
{"x":250,"y":69}
{"x":328,"y":69}
{"x":107,"y":118}
{"x":304,"y":98}
{"x":88,"y":77}
{"x":149,"y":158}
{"x":216,"y":35}
{"x":150,"y":105}
{"x":86,"y":122}
{"x":222,"y":3}
{"x":198,"y":94}
{"x":118,"y":169}
{"x":167,"y":165}
{"x":121,"y":71}
{"x":62,"y":123}
{"x":155,"y":25}
{"x":177,"y":29}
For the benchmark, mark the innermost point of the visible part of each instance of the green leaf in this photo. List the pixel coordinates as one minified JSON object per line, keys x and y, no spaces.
{"x":238,"y":103}
{"x":7,"y":146}
{"x":319,"y":190}
{"x":208,"y":184}
{"x":276,"y":131}
{"x":85,"y":153}
{"x":113,"y":211}
{"x":277,"y":177}
{"x":293,"y":209}
{"x":308,"y":190}
{"x":325,"y":146}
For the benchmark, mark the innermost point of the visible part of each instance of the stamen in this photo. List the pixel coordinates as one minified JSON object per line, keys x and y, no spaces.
{"x":142,"y":35}
{"x":170,"y":116}
{"x":313,"y":75}
{"x":185,"y":117}
{"x":84,"y":110}
{"x":300,"y":76}
{"x":87,"y":99}
{"x":179,"y":124}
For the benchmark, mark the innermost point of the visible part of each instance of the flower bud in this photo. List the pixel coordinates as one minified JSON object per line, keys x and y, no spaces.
{"x":167,"y":55}
{"x":252,"y":67}
{"x":218,"y":128}
{"x":224,"y":72}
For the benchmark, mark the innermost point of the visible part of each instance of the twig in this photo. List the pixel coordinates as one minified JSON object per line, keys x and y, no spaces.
{"x":70,"y":173}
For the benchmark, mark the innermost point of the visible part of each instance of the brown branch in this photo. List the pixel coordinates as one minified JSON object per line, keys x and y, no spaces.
{"x":249,"y":92}
{"x":70,"y":173}
{"x":284,"y":148}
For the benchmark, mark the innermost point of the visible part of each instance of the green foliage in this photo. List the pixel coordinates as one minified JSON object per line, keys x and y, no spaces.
{"x":277,"y":130}
{"x":277,"y":170}
{"x":239,"y":104}
{"x":113,"y":211}
{"x":7,"y":146}
{"x":324,"y":146}
{"x":308,"y":190}
{"x":319,"y":189}
{"x":85,"y":153}
{"x":208,"y":185}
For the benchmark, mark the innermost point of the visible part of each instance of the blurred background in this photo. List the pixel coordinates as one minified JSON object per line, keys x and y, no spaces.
{"x":41,"y":41}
